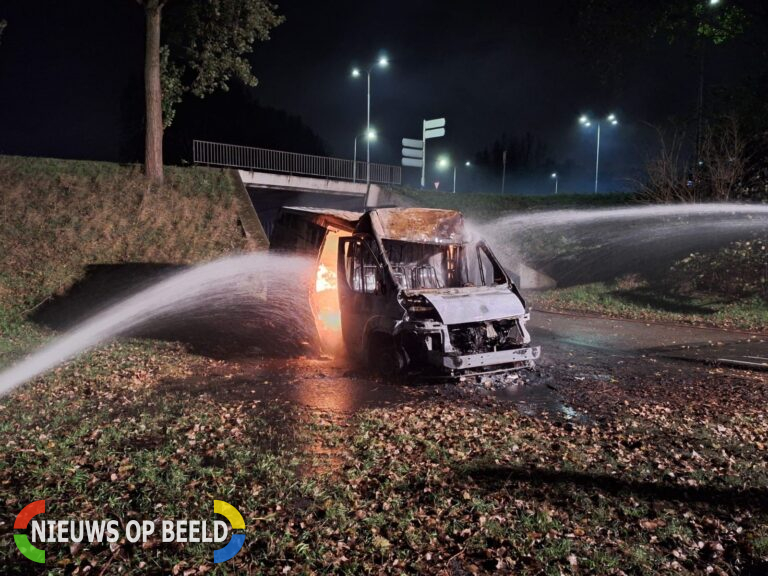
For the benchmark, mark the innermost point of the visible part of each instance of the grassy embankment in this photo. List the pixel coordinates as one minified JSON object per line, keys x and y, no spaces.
{"x":61,"y":216}
{"x":490,"y":206}
{"x":726,"y":288}
{"x":626,"y":298}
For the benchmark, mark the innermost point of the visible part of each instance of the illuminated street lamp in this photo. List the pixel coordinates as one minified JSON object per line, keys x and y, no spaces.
{"x":556,"y":178}
{"x":368,"y":135}
{"x":585,"y":121}
{"x":445,"y":162}
{"x":382,"y":62}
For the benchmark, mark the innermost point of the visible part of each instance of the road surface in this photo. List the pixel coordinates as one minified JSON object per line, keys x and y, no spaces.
{"x":578,"y":352}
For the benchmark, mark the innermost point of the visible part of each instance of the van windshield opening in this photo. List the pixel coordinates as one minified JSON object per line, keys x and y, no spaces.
{"x":422,"y":266}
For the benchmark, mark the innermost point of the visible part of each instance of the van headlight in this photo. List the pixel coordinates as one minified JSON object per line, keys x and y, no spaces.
{"x":418,"y":308}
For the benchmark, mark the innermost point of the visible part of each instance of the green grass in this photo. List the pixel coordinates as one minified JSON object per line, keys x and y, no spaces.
{"x":644,"y":303}
{"x":494,"y":205}
{"x":420,"y":488}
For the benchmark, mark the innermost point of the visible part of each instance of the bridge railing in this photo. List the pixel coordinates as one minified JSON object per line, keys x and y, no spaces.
{"x":263,"y":159}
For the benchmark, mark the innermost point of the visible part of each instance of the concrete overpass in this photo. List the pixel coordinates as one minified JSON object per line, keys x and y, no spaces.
{"x":275,"y":178}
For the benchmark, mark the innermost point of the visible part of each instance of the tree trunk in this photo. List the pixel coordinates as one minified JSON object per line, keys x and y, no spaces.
{"x":153,"y":150}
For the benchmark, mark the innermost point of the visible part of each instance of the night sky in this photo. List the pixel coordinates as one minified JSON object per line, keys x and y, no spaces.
{"x":71,"y":73}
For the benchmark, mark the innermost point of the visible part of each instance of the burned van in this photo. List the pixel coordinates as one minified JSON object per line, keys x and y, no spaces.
{"x":412,"y":290}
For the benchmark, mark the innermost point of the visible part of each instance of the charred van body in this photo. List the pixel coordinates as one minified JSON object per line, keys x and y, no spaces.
{"x":416,"y":292}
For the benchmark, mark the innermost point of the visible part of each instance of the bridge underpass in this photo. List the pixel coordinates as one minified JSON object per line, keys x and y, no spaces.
{"x":275,"y":179}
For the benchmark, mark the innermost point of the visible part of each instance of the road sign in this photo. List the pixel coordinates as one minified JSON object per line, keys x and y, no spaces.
{"x":435,"y":133}
{"x":411,"y":153}
{"x":411,"y":143}
{"x":436,"y":123}
{"x":412,"y":162}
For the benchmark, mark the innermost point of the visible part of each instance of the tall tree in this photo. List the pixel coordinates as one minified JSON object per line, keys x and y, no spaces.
{"x":153,"y":94}
{"x":206,"y":45}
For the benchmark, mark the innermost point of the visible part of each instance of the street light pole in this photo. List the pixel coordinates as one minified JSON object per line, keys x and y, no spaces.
{"x":368,"y":142}
{"x":423,"y":154}
{"x":370,"y":134}
{"x":597,"y":157}
{"x":556,"y":176}
{"x":585,"y":121}
{"x":381,"y":63}
{"x":700,"y":104}
{"x":444,"y":162}
{"x":503,"y":170}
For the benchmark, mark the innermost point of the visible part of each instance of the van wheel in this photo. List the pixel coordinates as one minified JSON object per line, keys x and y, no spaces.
{"x":385,"y":357}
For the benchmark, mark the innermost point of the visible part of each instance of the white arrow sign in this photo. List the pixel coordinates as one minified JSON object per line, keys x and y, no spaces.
{"x":411,"y":143}
{"x":435,"y":133}
{"x":411,"y":153}
{"x":412,"y":162}
{"x":436,"y":123}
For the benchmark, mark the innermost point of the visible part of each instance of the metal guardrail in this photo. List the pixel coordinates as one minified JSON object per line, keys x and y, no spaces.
{"x":263,"y":159}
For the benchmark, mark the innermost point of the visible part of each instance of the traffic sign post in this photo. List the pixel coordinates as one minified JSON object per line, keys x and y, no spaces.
{"x":434,"y":133}
{"x":436,"y":123}
{"x":434,"y":128}
{"x":413,"y":153}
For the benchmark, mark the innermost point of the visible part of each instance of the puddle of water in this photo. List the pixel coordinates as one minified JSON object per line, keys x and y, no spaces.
{"x":535,"y":395}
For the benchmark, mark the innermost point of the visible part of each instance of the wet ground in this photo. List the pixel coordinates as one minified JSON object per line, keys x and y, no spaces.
{"x":577,"y":352}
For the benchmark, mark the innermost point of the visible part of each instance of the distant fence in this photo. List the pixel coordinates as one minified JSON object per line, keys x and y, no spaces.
{"x":262,"y":159}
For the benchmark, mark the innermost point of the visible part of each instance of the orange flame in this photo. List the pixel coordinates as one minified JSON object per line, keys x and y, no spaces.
{"x":325,"y":297}
{"x":326,"y":279}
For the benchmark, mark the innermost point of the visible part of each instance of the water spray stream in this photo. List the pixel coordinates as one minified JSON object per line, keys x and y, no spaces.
{"x":271,"y":287}
{"x":529,"y":220}
{"x":583,"y":245}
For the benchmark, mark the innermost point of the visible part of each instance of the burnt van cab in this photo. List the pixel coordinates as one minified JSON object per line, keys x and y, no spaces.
{"x":417,"y":292}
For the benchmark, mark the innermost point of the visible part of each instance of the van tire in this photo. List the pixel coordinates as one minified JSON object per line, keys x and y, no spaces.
{"x":384,"y":356}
